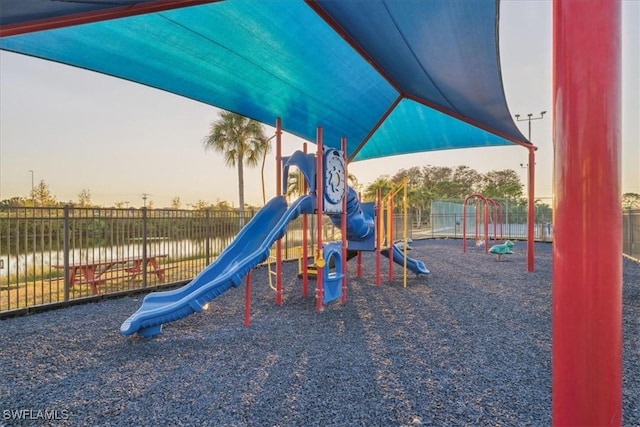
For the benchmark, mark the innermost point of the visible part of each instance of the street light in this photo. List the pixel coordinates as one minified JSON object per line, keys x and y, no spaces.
{"x":528,"y":119}
{"x":530,"y":184}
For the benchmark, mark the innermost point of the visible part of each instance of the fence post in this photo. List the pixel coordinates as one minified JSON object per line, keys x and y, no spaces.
{"x":144,"y":246}
{"x":65,"y":251}
{"x":627,"y":250}
{"x":207,"y":237}
{"x":632,"y":236}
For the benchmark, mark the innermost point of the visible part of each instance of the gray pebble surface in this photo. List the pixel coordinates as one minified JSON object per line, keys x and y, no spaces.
{"x":468,"y":345}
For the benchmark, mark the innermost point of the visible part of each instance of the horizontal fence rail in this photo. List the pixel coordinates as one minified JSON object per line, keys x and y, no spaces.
{"x":45,"y":253}
{"x":57,"y":255}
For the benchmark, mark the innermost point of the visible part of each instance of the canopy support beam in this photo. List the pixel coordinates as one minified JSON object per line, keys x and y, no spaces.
{"x":587,"y":261}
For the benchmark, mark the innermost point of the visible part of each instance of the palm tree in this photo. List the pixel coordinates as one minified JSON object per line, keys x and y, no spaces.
{"x":240,"y":140}
{"x":383,"y":183}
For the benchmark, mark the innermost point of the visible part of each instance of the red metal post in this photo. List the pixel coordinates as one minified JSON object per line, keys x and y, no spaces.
{"x":379,"y":225}
{"x":359,"y":256}
{"x":278,"y":156}
{"x":305,"y":242}
{"x":587,"y":267}
{"x":344,"y":221}
{"x":390,"y":208}
{"x":531,"y":212}
{"x":247,"y":302}
{"x":279,"y":193}
{"x":319,"y":197}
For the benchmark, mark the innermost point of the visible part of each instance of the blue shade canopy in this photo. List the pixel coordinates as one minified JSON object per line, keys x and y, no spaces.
{"x":393,"y":77}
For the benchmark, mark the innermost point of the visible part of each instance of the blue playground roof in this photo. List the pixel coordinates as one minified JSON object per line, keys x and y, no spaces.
{"x":392,"y":76}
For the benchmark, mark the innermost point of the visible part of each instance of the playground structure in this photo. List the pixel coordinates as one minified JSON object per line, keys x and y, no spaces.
{"x":587,"y":277}
{"x":328,"y":193}
{"x":487,"y":206}
{"x":491,"y":212}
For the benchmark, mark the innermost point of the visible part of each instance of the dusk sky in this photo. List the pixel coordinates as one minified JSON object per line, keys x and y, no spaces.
{"x":77,"y":129}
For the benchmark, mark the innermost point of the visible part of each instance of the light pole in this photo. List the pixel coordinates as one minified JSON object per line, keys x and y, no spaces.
{"x":530,"y":190}
{"x":528,"y":119}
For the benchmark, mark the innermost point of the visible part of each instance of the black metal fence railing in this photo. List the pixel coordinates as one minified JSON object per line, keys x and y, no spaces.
{"x":631,"y":232}
{"x":56,"y":255}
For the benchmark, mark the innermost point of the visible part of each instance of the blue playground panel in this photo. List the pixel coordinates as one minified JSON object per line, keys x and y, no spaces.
{"x":332,"y":277}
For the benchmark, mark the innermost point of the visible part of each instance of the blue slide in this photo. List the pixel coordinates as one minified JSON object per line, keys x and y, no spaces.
{"x":414,"y":265}
{"x":249,"y":248}
{"x":360,"y":226}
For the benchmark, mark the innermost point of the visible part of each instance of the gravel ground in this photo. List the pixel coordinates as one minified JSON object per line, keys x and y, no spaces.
{"x":468,"y":345}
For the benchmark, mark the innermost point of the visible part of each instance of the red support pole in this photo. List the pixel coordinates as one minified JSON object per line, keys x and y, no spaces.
{"x":319,"y":196}
{"x":531,"y":218}
{"x":379,"y":225}
{"x":344,"y":222}
{"x":390,"y":237}
{"x":247,"y":302}
{"x":587,"y":267}
{"x":278,"y":193}
{"x":359,"y":256}
{"x":305,"y":242}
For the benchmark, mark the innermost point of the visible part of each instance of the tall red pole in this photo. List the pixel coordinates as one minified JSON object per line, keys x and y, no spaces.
{"x":531,"y":209}
{"x":305,"y":242}
{"x":278,"y":193}
{"x":390,"y":236}
{"x":344,"y":221}
{"x":379,"y":224}
{"x":359,"y":256}
{"x":587,"y":267}
{"x":319,"y":196}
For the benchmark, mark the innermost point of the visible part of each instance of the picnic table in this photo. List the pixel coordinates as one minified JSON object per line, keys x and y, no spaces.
{"x":94,"y":272}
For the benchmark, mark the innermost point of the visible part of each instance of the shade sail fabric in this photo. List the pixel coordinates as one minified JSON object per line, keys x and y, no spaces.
{"x":392,"y":76}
